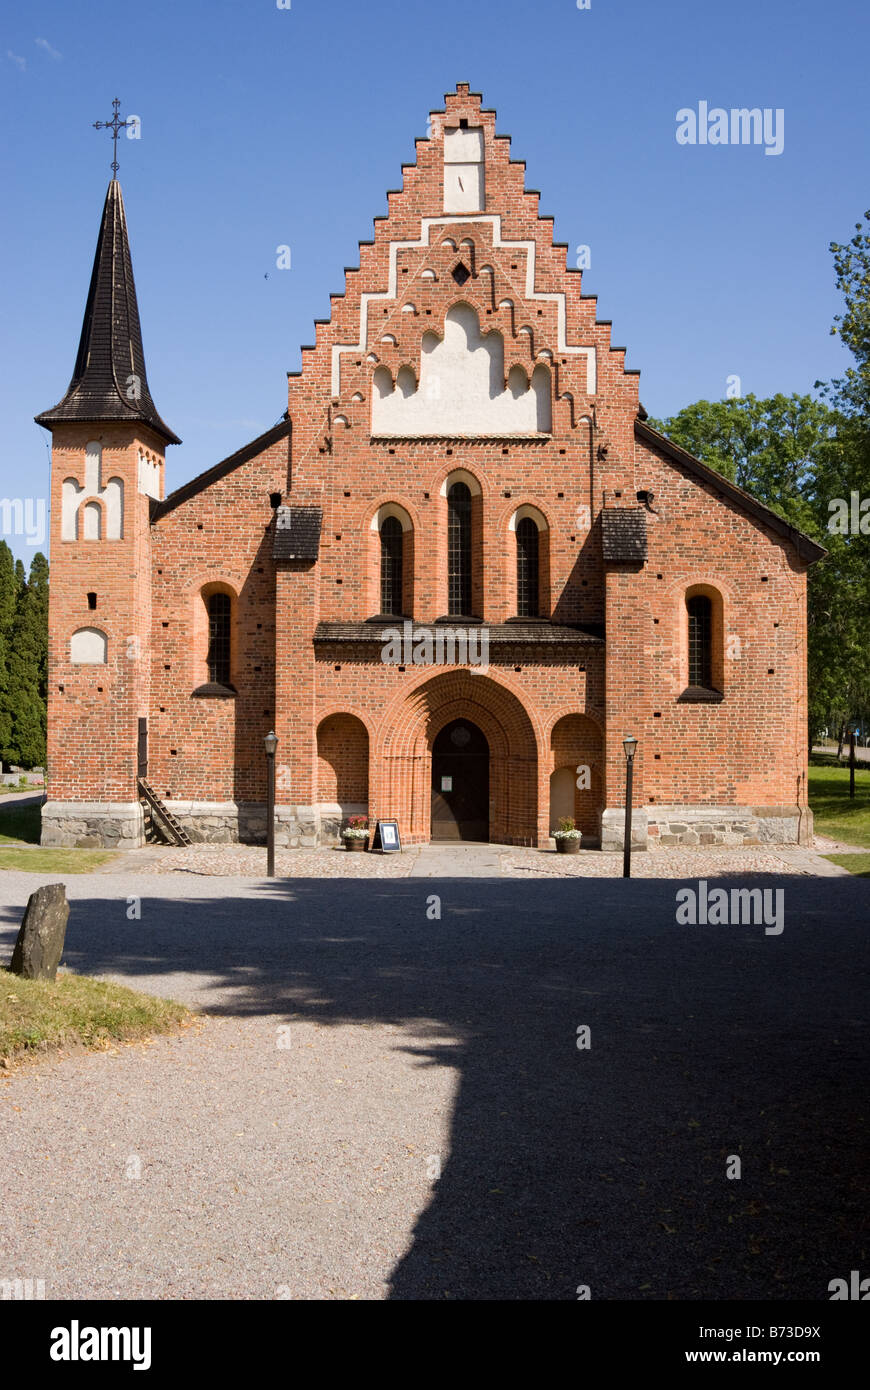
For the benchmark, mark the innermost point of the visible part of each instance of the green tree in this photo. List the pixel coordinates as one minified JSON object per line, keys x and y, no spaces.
{"x":797,"y":454}
{"x":8,"y":603}
{"x":840,"y":589}
{"x":772,"y":448}
{"x":851,"y":393}
{"x":27,"y":669}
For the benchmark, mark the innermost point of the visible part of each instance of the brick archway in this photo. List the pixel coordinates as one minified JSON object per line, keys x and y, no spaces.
{"x":402,"y":757}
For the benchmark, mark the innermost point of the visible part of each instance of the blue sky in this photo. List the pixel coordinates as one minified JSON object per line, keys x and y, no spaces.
{"x":264,"y":127}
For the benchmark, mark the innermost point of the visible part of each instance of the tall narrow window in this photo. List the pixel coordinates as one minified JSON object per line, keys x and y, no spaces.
{"x":527,"y":568}
{"x":219,"y":609}
{"x":459,"y":550}
{"x":391,"y":565}
{"x":700,"y":611}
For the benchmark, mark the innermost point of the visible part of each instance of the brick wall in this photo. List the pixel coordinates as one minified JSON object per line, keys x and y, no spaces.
{"x":747,"y":749}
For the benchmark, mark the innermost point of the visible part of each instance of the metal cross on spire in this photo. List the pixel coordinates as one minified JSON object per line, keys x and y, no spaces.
{"x":114,"y":125}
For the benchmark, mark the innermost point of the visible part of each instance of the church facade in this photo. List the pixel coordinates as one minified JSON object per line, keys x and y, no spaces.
{"x":454,"y":576}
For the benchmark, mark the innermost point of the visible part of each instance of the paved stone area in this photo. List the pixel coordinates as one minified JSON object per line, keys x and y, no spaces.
{"x":354,"y":1046}
{"x":862,"y":754}
{"x":467,"y":861}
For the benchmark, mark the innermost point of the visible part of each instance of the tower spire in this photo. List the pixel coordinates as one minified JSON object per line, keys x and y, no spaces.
{"x":109,"y":381}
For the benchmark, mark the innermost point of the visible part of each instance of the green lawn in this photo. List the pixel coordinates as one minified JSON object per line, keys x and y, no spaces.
{"x":36,"y":1015}
{"x":834,"y":814}
{"x":53,"y":861}
{"x":858,"y":864}
{"x":19,"y":823}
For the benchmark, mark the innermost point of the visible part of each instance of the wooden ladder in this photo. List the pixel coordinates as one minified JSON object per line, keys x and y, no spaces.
{"x":160,"y":823}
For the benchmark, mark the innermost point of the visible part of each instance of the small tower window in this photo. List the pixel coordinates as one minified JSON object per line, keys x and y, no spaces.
{"x":700,"y":614}
{"x":391,"y":566}
{"x":219,"y":612}
{"x":527,"y":568}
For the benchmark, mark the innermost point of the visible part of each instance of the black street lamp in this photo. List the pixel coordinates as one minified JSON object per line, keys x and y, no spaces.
{"x":271,"y":742}
{"x":630,"y":746}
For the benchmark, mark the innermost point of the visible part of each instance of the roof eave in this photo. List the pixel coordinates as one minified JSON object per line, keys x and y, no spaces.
{"x":220,"y":470}
{"x":808,"y":549}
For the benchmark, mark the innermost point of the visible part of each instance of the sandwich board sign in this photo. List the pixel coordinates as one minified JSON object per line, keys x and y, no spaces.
{"x":387,"y":837}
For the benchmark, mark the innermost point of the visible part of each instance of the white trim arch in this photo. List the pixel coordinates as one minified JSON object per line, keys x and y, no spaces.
{"x":534,"y":513}
{"x":391,"y":509}
{"x":428,"y":224}
{"x":461,"y":475}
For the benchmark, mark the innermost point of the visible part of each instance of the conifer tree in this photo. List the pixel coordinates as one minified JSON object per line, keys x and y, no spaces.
{"x":27,"y":668}
{"x":8,"y":594}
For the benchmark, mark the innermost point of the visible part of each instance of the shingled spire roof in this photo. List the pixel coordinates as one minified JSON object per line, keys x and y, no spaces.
{"x":110,"y":349}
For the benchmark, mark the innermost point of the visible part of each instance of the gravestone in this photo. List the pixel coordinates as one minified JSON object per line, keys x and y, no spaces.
{"x":39,"y":946}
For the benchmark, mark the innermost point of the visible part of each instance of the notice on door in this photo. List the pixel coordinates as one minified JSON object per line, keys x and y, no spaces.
{"x":447,"y":784}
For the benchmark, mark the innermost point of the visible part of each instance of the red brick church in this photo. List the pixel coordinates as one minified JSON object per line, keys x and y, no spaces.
{"x":454,"y":576}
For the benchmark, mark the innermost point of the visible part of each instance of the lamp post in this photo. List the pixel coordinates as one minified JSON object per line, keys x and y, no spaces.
{"x":271,"y":742}
{"x":630,"y":746}
{"x":852,"y":763}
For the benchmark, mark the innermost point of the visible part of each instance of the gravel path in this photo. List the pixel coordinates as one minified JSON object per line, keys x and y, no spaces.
{"x":301,"y":1164}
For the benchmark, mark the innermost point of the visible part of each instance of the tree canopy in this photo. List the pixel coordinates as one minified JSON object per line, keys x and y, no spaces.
{"x":805,"y":457}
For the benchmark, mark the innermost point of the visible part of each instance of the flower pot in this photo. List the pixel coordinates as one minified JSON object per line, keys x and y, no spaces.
{"x":568,"y":845}
{"x":356,"y":844}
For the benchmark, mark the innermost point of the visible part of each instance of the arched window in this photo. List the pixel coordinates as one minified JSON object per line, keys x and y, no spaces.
{"x":527,"y":568}
{"x":700,"y":615}
{"x":391,"y":565}
{"x":459,"y":550}
{"x":219,"y":615}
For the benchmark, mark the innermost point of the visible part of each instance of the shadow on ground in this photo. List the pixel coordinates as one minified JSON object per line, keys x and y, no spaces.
{"x":604,"y":1167}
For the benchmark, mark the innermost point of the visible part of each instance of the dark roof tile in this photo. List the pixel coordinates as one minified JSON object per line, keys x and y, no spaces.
{"x":297,"y":533}
{"x":511,"y":633}
{"x":623,"y":535}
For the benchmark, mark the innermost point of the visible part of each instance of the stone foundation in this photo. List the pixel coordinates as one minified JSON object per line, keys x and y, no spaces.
{"x":613,"y":829}
{"x":664,"y":827}
{"x":93,"y":824}
{"x":231,"y":822}
{"x":119,"y":825}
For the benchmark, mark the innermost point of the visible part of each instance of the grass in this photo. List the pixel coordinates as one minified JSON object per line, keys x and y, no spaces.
{"x":53,"y":861}
{"x":858,"y":864}
{"x":834,"y":814}
{"x":23,"y":823}
{"x":74,"y":1010}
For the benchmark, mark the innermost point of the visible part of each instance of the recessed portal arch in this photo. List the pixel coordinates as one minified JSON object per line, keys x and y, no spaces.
{"x":403,"y":754}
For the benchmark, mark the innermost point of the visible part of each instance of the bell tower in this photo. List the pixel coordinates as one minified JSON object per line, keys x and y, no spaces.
{"x":107,"y":471}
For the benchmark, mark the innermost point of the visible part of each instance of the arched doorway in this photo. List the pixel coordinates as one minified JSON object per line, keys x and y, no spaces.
{"x":404,"y":744}
{"x":460,"y":783}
